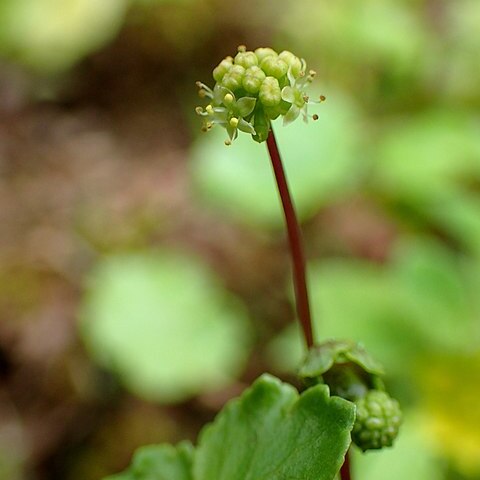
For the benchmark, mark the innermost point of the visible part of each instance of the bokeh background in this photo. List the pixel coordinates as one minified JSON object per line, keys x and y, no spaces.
{"x":144,"y":274}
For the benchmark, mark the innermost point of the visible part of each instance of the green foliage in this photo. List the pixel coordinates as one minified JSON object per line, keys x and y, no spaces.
{"x":321,"y":358}
{"x":411,"y":457}
{"x":351,"y":373}
{"x":160,"y":462}
{"x":416,"y":302}
{"x":163,"y":323}
{"x":322,"y":160}
{"x":448,"y":407}
{"x":270,"y":432}
{"x":431,"y":165}
{"x":51,"y":35}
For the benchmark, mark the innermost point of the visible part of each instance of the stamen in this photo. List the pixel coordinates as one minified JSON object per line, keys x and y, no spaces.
{"x":228,"y":99}
{"x":204,"y":91}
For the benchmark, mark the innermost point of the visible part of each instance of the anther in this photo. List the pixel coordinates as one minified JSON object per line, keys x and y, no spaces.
{"x":228,"y":99}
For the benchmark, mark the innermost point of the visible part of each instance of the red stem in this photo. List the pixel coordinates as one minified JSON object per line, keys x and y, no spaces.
{"x":294,"y":238}
{"x":345,"y":470}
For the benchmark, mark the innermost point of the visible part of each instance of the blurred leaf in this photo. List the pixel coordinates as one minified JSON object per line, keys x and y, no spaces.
{"x":160,"y":462}
{"x":322,"y":160}
{"x":435,"y":152}
{"x":433,"y":292}
{"x":383,"y":34}
{"x":410,"y":457}
{"x":459,"y":50}
{"x":286,"y":350}
{"x":272,"y":432}
{"x":164,"y":324}
{"x":417,"y":302}
{"x":449,"y":407}
{"x":360,"y":301}
{"x":432,"y":163}
{"x":52,"y":35}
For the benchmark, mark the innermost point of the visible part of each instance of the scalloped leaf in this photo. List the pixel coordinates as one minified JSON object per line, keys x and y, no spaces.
{"x":160,"y":462}
{"x":321,"y":358}
{"x":271,"y":432}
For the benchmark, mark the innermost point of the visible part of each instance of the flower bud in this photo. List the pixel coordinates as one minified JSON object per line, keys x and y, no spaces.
{"x":377,"y":421}
{"x":222,"y":68}
{"x":233,"y":78}
{"x":270,"y":93}
{"x":264,"y":52}
{"x":253,"y":79}
{"x":274,"y":67}
{"x":292,"y":61}
{"x":253,"y":89}
{"x":246,"y":59}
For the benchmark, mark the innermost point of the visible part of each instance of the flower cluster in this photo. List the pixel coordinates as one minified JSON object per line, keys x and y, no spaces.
{"x":254,"y":88}
{"x":351,"y":373}
{"x":377,"y":421}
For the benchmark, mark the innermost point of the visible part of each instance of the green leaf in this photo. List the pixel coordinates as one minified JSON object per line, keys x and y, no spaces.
{"x":449,"y":392}
{"x":75,"y":27}
{"x":164,"y":324}
{"x":272,"y":433}
{"x":160,"y":462}
{"x":320,"y":358}
{"x":432,"y":165}
{"x":416,"y":302}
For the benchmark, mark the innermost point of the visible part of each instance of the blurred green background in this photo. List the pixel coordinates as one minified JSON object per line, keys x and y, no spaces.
{"x":144,"y":273}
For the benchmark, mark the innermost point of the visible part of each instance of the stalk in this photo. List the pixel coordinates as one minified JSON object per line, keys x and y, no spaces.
{"x":345,"y":473}
{"x":298,"y":258}
{"x":294,"y":240}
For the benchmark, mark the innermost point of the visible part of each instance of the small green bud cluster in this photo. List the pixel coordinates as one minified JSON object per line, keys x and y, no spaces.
{"x":351,"y":373}
{"x":255,"y":88}
{"x":377,"y":422}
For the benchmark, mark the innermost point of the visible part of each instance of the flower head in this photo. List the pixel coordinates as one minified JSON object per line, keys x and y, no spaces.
{"x":255,"y":88}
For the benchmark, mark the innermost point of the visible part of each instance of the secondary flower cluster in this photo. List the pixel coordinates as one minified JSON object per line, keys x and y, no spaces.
{"x":351,"y":373}
{"x":254,"y":88}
